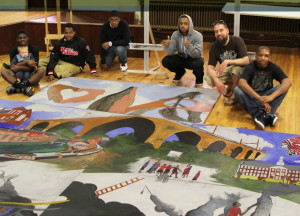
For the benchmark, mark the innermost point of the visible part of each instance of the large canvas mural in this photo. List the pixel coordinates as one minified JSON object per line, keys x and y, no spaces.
{"x":58,"y":160}
{"x":191,"y":105}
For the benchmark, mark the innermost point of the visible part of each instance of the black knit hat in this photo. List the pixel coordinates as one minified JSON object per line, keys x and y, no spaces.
{"x":114,"y":13}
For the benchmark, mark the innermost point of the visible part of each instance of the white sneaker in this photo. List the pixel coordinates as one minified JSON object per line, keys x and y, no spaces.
{"x":123,"y":67}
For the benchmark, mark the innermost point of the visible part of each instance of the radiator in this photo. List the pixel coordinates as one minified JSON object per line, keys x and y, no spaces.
{"x":164,"y":16}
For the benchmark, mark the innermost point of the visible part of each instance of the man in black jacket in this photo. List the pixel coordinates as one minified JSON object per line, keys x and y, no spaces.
{"x":17,"y":86}
{"x":69,"y":55}
{"x":114,"y":40}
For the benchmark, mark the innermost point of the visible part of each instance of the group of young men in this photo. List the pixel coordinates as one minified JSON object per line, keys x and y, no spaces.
{"x":68,"y":57}
{"x":250,"y":84}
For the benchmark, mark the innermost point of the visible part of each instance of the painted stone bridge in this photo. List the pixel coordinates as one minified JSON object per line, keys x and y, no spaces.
{"x":151,"y":130}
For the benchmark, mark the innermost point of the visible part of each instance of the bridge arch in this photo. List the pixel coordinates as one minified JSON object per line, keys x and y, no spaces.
{"x":257,"y":154}
{"x":216,"y":146}
{"x":143,"y":128}
{"x":248,"y":154}
{"x":40,"y":126}
{"x":188,"y":137}
{"x":236,"y":151}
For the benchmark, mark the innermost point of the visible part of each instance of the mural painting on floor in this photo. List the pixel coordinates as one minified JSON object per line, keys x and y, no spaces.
{"x":98,"y":163}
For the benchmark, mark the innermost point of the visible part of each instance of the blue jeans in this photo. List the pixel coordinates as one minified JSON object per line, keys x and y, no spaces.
{"x":113,"y":51}
{"x":252,"y":105}
{"x":23,"y":75}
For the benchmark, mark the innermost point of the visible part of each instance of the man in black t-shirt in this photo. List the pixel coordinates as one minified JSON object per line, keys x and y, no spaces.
{"x":231,"y":53}
{"x":256,"y":92}
{"x":28,"y":65}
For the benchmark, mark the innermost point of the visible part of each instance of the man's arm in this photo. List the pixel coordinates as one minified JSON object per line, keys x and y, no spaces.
{"x":27,"y":65}
{"x":238,"y":62}
{"x":35,"y":52}
{"x":212,"y":73}
{"x":243,"y":84}
{"x":242,"y":56}
{"x":90,"y":59}
{"x":53,"y":60}
{"x":54,"y":57}
{"x":285,"y":84}
{"x":171,"y":47}
{"x":195,"y":49}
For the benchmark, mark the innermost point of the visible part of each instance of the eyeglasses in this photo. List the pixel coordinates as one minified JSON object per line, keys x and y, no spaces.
{"x":219,"y":22}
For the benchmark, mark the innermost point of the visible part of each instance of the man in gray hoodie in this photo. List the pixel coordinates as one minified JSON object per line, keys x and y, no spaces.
{"x":184,"y":50}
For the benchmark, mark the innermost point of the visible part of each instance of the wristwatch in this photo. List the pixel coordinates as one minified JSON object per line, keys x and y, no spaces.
{"x":110,"y":43}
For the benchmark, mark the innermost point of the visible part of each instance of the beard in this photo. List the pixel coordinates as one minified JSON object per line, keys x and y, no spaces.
{"x":222,"y":42}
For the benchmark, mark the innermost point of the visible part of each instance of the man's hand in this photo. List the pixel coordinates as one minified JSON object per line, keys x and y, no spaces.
{"x":167,"y":41}
{"x":104,"y":67}
{"x":50,"y":78}
{"x":14,"y":68}
{"x":186,"y":43}
{"x":96,"y":74}
{"x":105,"y":45}
{"x":266,"y":99}
{"x":32,"y":64}
{"x":222,"y":68}
{"x":267,"y":107}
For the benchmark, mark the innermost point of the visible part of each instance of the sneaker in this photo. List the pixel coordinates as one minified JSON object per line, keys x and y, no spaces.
{"x":272,"y":119}
{"x":6,"y":66}
{"x":123,"y":67}
{"x":175,"y":80}
{"x":28,"y":91}
{"x":12,"y":90}
{"x":262,"y":120}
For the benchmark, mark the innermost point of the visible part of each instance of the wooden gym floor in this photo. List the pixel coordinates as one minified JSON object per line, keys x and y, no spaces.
{"x":287,"y":58}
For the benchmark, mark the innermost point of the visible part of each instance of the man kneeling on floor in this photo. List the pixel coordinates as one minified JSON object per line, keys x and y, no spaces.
{"x":255,"y":90}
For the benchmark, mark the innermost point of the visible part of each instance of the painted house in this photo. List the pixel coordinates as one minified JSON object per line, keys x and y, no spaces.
{"x":280,"y":172}
{"x":15,"y":116}
{"x":16,"y":136}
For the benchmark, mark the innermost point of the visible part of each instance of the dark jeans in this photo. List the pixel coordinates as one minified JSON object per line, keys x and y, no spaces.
{"x":113,"y":51}
{"x":23,"y":75}
{"x":252,"y":105}
{"x":178,"y":64}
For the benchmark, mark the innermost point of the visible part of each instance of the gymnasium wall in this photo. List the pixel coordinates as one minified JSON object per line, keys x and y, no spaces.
{"x":13,"y":5}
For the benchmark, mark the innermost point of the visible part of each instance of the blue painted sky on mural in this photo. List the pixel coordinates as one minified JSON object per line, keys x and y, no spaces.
{"x":273,"y":154}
